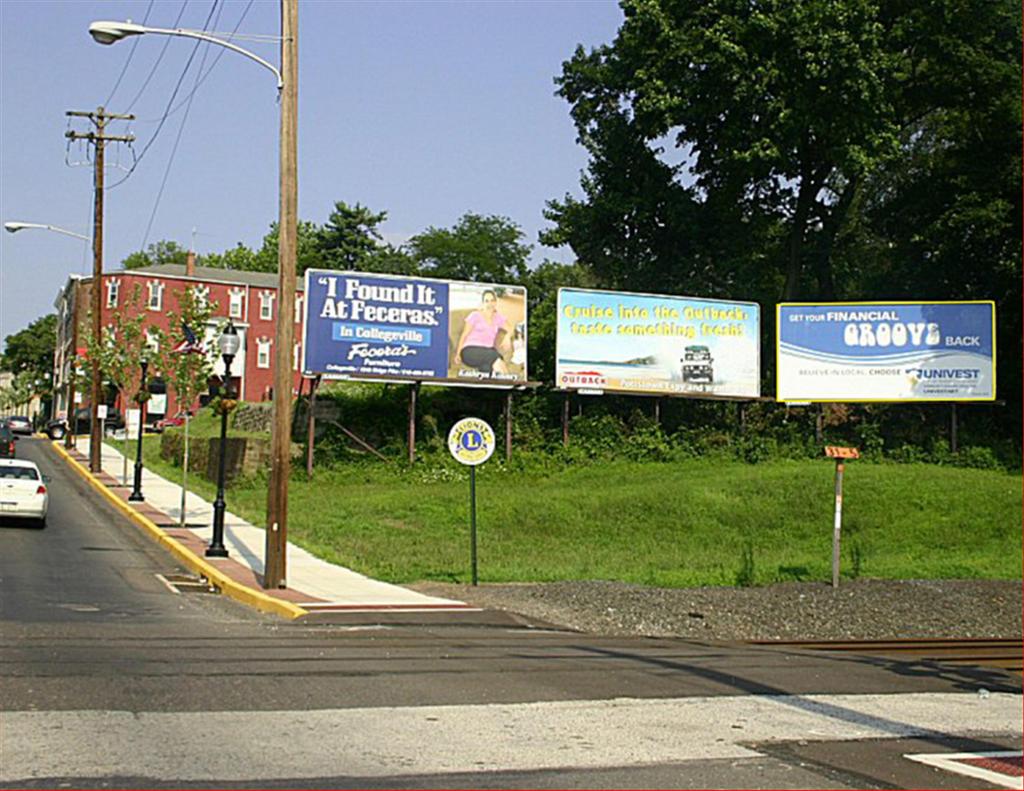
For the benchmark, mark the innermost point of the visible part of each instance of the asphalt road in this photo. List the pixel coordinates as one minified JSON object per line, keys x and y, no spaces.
{"x":110,"y":679}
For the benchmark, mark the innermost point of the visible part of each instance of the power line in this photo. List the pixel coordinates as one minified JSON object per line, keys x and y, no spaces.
{"x":181,"y":129}
{"x":202,"y":79}
{"x":160,"y":57}
{"x":170,"y":102}
{"x":131,"y":52}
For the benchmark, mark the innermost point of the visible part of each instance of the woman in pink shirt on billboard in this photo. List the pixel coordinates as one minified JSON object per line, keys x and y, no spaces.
{"x":478,"y":347}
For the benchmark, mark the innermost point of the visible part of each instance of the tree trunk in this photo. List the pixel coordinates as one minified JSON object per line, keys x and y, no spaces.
{"x":794,"y":266}
{"x":833,"y":225}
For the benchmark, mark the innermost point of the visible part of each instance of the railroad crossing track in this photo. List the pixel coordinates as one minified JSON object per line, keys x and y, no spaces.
{"x":1003,"y":654}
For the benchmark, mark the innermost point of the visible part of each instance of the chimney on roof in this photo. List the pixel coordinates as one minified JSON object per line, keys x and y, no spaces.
{"x":190,"y":264}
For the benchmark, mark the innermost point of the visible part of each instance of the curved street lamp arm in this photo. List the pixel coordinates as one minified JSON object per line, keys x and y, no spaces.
{"x":12,"y":227}
{"x":214,"y":40}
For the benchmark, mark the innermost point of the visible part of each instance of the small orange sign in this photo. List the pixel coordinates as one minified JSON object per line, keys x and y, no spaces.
{"x":837,"y":452}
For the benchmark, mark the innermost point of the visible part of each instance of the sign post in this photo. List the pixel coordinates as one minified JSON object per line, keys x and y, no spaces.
{"x":840,"y":455}
{"x":471,"y":442}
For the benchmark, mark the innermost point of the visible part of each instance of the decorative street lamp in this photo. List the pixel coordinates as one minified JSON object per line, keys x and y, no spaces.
{"x":136,"y":495}
{"x":107,"y":32}
{"x":228,"y":343}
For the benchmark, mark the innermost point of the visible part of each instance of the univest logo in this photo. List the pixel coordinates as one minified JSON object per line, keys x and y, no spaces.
{"x":584,"y":379}
{"x":943,"y":374}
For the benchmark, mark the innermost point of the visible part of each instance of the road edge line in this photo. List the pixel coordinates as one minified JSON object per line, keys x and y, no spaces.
{"x":228,"y":586}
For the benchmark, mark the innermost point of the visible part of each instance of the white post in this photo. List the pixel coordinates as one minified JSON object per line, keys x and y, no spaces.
{"x":837,"y":525}
{"x":184,"y":472}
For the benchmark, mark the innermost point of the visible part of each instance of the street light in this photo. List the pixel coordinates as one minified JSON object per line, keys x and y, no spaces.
{"x":280,"y":438}
{"x":136,"y":495}
{"x":228,"y":343}
{"x":14,"y":227}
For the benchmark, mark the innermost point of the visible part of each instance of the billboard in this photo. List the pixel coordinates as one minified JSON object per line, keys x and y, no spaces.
{"x":361,"y":324}
{"x":875,"y":351}
{"x":657,"y":344}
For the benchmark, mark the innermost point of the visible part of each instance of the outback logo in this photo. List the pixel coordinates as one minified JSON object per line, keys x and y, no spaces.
{"x":942,"y":374}
{"x":584,"y":378}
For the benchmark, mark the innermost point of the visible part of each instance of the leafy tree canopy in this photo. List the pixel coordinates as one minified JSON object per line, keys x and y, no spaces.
{"x":787,"y":123}
{"x":487,"y":249}
{"x":31,"y":349}
{"x":162,"y":252}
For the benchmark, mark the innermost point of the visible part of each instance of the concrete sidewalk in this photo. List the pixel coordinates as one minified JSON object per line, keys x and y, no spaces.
{"x":314,"y":585}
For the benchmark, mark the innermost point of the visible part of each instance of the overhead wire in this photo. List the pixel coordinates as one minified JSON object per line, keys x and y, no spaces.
{"x":131,"y":53}
{"x":181,"y":129}
{"x":156,"y":63}
{"x":170,"y":102}
{"x":202,"y":79}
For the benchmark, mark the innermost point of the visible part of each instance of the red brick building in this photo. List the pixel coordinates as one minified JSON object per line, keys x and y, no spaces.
{"x":249,"y":299}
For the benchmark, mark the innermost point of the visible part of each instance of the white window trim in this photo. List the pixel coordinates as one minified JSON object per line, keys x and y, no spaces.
{"x":113,"y":293}
{"x":152,"y":342}
{"x":236,"y":302}
{"x":267,"y":305}
{"x":296,"y":356}
{"x":263,"y":352}
{"x":155,"y":288}
{"x":298,"y":308}
{"x":202,"y":293}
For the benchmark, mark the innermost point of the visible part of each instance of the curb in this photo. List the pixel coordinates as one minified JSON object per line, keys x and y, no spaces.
{"x":227,"y":586}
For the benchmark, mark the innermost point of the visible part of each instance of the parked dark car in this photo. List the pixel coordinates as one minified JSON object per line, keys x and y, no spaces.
{"x":7,"y":439}
{"x":56,"y":429}
{"x":19,"y":424}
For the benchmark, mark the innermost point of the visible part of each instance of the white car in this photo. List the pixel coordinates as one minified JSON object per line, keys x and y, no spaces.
{"x":23,"y":492}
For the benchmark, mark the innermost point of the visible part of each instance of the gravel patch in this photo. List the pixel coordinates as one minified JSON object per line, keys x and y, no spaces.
{"x":856,"y":610}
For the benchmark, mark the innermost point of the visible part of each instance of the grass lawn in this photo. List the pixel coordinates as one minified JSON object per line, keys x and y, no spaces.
{"x":700,"y":522}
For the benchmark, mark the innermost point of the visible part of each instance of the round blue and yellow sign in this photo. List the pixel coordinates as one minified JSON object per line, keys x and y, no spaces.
{"x":471,"y":441}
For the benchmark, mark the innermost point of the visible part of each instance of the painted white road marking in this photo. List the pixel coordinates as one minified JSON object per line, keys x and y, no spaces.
{"x":376,"y":742}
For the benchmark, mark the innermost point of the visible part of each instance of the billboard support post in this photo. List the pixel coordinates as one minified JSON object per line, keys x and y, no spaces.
{"x":414,"y":390}
{"x":565,"y":421}
{"x":314,"y":384}
{"x":508,"y":426}
{"x":952,"y":429}
{"x":657,"y":411}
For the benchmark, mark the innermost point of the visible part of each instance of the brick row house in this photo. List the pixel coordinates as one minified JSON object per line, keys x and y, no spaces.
{"x":248,"y":299}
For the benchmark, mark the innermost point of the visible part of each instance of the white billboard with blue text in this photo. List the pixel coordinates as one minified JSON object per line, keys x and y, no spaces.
{"x":873,"y":351}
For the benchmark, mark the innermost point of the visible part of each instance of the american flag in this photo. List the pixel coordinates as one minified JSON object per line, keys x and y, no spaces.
{"x":190,"y":344}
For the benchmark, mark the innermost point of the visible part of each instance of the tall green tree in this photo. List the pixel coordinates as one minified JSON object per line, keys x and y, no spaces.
{"x":780,"y":118}
{"x":162,"y":252}
{"x":488,"y":249}
{"x":308,"y":249}
{"x":350,"y":236}
{"x":32,"y":348}
{"x":187,"y":371}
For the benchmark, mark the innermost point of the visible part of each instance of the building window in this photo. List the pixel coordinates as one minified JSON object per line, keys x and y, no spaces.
{"x":153,"y":341}
{"x":266,"y":305}
{"x":263,"y":352}
{"x":202,"y":296}
{"x":113,"y":291}
{"x":156,"y":295}
{"x":296,"y":356}
{"x":298,"y":308}
{"x":235,"y":305}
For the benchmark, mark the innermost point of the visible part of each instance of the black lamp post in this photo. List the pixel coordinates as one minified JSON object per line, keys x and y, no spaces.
{"x":136,"y":495}
{"x":228,"y":343}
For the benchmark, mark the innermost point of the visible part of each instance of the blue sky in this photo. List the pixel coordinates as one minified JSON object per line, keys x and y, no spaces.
{"x":422,"y":109}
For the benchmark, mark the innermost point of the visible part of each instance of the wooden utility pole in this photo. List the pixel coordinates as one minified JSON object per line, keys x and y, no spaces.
{"x":99,"y":140}
{"x":275,"y":562}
